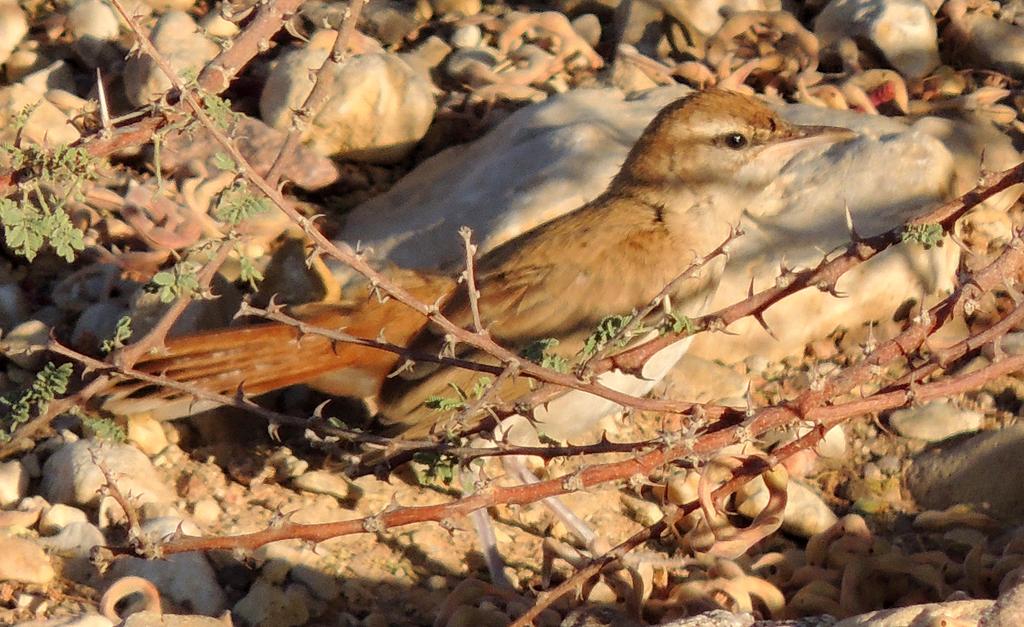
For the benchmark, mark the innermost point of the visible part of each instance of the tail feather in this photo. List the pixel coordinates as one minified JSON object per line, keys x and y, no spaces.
{"x":265,"y":357}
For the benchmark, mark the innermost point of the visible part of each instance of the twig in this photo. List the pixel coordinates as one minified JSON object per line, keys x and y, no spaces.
{"x":131,"y":353}
{"x":470,"y":276}
{"x":321,"y":91}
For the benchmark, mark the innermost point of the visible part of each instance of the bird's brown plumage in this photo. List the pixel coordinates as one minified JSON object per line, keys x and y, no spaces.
{"x":683,"y":186}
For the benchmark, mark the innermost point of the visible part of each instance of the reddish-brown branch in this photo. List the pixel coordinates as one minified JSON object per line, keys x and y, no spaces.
{"x":321,"y":91}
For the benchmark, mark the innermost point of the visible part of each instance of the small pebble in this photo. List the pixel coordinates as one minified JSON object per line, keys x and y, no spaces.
{"x":468,"y":36}
{"x":934,"y":421}
{"x":24,"y":561}
{"x":59,"y":516}
{"x":13,"y":482}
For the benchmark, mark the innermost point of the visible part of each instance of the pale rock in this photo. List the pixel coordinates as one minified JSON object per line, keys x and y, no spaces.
{"x":24,"y":561}
{"x":216,"y":26}
{"x":75,"y":539}
{"x":80,"y":620}
{"x":934,"y":421}
{"x":96,"y":324}
{"x":379,"y":108}
{"x":946,"y":613}
{"x":458,"y":8}
{"x":644,"y":512}
{"x":428,"y":55}
{"x":833,"y":444}
{"x":903,"y":30}
{"x":162,"y":6}
{"x":468,"y":36}
{"x":146,"y":434}
{"x":961,"y":471}
{"x":721,"y":618}
{"x":980,"y":40}
{"x":95,"y":28}
{"x":154,"y":619}
{"x":58,"y":76}
{"x":26,"y":58}
{"x":470,"y":616}
{"x":805,"y":515}
{"x":59,"y":516}
{"x":13,"y":27}
{"x":23,"y":345}
{"x":640,"y":22}
{"x":267,"y":604}
{"x":46,"y":126}
{"x":323,"y":482}
{"x":18,"y":519}
{"x":185,"y":578}
{"x":588,"y":26}
{"x":704,"y":381}
{"x":294,"y":558}
{"x":13,"y":482}
{"x":71,"y":476}
{"x":176,"y":36}
{"x":550,"y":158}
{"x":206,"y":511}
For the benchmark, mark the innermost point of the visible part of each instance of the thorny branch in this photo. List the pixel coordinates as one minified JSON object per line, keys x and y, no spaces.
{"x":811,"y":408}
{"x":819,"y":406}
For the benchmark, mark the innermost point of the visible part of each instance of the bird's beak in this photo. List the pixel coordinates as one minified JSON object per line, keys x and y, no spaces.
{"x":798,"y":138}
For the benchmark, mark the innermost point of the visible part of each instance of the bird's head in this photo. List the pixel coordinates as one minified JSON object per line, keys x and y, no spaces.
{"x":719,"y":139}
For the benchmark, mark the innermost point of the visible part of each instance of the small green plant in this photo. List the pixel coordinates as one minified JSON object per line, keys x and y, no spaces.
{"x":180,"y":280}
{"x":539,"y":352}
{"x":927,"y":235}
{"x":440,"y":466}
{"x":122,"y":332}
{"x":458,"y":402}
{"x":49,"y":383}
{"x":50,"y":178}
{"x":607,"y":330}
{"x":104,"y":429}
{"x":248,"y":272}
{"x":237,"y":203}
{"x":678,"y":323}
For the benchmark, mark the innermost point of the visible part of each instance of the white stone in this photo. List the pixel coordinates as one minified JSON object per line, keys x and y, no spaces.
{"x":94,"y":27}
{"x":268,"y":604}
{"x":323,"y":482}
{"x":176,"y":36}
{"x":981,"y":40}
{"x":59,"y":516}
{"x":13,"y":482}
{"x":805,"y":515}
{"x":934,"y":421}
{"x":379,"y":108}
{"x":13,"y":27}
{"x":24,"y":561}
{"x":71,"y":476}
{"x":290,"y":556}
{"x":903,"y":30}
{"x":81,"y":620}
{"x":468,"y":36}
{"x":24,"y":344}
{"x":185,"y":578}
{"x":76,"y":539}
{"x":147,"y":434}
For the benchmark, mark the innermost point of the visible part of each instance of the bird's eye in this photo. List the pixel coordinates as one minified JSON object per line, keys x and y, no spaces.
{"x":734,"y":140}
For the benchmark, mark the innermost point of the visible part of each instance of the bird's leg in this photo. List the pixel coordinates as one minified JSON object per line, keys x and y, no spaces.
{"x":485,"y":533}
{"x":516,"y":467}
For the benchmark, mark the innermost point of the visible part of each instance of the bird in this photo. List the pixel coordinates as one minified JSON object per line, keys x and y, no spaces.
{"x":681,"y":190}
